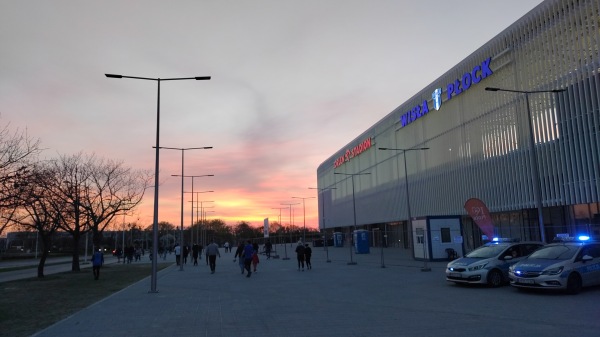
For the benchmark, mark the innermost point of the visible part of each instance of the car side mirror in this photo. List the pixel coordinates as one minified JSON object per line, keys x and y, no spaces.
{"x":586,"y":258}
{"x":508,"y":257}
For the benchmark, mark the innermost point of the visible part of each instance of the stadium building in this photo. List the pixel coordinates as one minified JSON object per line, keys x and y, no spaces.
{"x":516,"y":125}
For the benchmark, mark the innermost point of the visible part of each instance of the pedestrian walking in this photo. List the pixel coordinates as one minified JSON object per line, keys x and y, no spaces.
{"x":130,"y":251}
{"x":97,"y":262}
{"x":119,"y":253}
{"x":248,"y":252}
{"x":138,"y":254}
{"x":186,"y":252}
{"x":307,"y":255}
{"x":226,"y":245}
{"x":255,"y":260}
{"x":195,"y":253}
{"x":239,"y":254}
{"x":177,"y":250}
{"x":300,"y":255}
{"x":268,"y":248}
{"x":212,"y":250}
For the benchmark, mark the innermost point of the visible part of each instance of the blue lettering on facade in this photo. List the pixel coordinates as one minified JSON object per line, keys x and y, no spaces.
{"x":478,"y":73}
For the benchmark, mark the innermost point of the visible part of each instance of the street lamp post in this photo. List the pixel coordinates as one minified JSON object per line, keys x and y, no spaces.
{"x":537,"y":183}
{"x":192,"y":215}
{"x":201,"y":209}
{"x":198,"y":219}
{"x":153,"y":276}
{"x":425,"y":267}
{"x":353,"y":206}
{"x":284,"y":247}
{"x":304,"y":211}
{"x":290,"y":206}
{"x":182,"y":149}
{"x":324,"y":230}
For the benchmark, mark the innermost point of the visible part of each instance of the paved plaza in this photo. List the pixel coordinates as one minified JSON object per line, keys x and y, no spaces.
{"x":332,"y":299}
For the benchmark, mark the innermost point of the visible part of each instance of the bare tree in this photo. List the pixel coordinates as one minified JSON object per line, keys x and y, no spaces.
{"x":40,"y":209}
{"x":114,"y":190}
{"x":95,"y":191}
{"x":73,"y":184}
{"x":17,"y":150}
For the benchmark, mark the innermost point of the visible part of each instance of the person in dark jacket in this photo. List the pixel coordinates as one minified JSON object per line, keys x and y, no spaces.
{"x":300,"y":255}
{"x":239,"y":254}
{"x":307,"y":254}
{"x":268,"y":248}
{"x":195,"y":252}
{"x":186,"y":252}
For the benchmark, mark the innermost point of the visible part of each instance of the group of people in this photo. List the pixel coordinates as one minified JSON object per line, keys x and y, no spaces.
{"x":247,"y":255}
{"x":303,"y":254}
{"x":128,"y":254}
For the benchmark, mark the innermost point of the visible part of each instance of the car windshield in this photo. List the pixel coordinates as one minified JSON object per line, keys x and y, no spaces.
{"x":486,"y":252}
{"x":558,"y":252}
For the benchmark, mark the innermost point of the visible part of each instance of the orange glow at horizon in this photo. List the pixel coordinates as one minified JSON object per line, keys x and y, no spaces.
{"x":232,"y":207}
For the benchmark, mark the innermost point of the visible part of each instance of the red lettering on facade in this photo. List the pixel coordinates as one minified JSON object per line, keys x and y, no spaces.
{"x":354,"y":152}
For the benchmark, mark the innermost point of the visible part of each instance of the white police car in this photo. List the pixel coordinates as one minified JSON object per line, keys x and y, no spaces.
{"x":568,"y":265}
{"x":489,"y":263}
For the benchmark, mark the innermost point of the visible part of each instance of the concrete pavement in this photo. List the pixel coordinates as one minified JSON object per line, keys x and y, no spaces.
{"x":332,"y":299}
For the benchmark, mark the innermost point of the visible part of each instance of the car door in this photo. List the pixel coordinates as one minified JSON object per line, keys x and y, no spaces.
{"x":510,"y":256}
{"x":592,"y":268}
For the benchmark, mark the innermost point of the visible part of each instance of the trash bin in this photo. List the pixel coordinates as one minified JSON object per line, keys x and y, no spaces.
{"x":338,"y":239}
{"x":361,"y":241}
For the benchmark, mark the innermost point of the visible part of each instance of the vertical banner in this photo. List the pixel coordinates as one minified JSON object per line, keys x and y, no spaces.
{"x":266,"y":227}
{"x":481,"y":215}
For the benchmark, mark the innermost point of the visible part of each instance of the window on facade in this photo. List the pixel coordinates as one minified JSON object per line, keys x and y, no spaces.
{"x":446,"y":238}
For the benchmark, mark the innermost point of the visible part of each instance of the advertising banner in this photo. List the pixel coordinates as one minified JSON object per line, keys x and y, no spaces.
{"x":266,"y":227}
{"x":481,"y":215}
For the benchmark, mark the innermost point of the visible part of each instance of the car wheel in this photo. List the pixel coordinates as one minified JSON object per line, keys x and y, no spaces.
{"x":495,"y":278}
{"x":574,"y":284}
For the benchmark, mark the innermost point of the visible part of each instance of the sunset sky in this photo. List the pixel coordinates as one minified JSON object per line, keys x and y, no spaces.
{"x":292,"y":83}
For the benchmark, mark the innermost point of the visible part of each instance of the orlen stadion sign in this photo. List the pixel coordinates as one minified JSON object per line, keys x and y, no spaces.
{"x":353,"y":152}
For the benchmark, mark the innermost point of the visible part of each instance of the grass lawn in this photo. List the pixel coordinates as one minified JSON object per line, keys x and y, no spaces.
{"x":30,"y":305}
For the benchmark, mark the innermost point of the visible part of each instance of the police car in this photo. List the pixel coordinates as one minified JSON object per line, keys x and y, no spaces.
{"x":489,"y":263}
{"x":568,"y":265}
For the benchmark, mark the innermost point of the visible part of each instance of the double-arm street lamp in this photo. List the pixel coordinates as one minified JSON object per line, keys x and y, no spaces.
{"x":203,"y":225}
{"x":537,"y":182}
{"x":353,"y":207}
{"x":284,"y":246}
{"x":193,"y":176}
{"x":153,"y":277}
{"x":425,"y":267}
{"x":304,"y":211}
{"x":183,"y":149}
{"x":290,"y":228}
{"x":323,"y":208}
{"x":198,"y":218}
